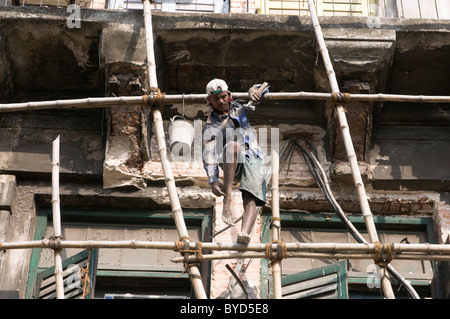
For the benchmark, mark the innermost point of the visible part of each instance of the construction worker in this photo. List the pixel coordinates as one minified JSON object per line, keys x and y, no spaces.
{"x":229,"y":142}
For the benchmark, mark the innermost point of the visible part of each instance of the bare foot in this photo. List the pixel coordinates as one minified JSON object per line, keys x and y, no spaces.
{"x":243,"y":238}
{"x":227,"y":213}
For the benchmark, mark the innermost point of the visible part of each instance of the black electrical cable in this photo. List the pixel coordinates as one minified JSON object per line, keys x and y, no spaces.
{"x":320,"y":177}
{"x":321,"y":180}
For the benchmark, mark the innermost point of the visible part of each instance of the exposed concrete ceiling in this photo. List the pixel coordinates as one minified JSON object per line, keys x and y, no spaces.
{"x":41,"y":58}
{"x":44,"y":54}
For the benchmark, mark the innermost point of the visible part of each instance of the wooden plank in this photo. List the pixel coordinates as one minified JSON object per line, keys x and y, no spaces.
{"x":443,"y":9}
{"x":195,"y":7}
{"x":343,"y":1}
{"x":286,"y":5}
{"x":48,"y":285}
{"x":345,"y":7}
{"x":326,"y":8}
{"x":195,"y":2}
{"x":50,"y":3}
{"x":69,"y":295}
{"x":308,"y":284}
{"x":67,"y":272}
{"x":410,"y":9}
{"x":287,"y":12}
{"x":46,"y":280}
{"x":313,"y":292}
{"x":428,"y":9}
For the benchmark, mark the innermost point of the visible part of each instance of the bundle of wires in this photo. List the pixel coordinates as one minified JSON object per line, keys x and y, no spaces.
{"x":321,"y":179}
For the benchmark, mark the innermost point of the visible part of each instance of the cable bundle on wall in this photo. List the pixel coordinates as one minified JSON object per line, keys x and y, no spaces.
{"x":321,"y":179}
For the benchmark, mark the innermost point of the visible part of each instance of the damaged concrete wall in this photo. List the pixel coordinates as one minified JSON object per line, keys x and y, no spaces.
{"x":127,"y":145}
{"x":113,"y":154}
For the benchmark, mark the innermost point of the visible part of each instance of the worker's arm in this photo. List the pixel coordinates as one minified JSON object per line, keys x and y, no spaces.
{"x":210,"y":158}
{"x":217,"y":188}
{"x":254,"y":93}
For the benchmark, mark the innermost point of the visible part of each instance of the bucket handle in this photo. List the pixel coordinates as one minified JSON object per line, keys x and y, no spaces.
{"x":173,"y":118}
{"x":181,"y":116}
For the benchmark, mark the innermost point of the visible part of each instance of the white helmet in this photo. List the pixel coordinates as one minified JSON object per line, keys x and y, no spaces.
{"x":216,"y":86}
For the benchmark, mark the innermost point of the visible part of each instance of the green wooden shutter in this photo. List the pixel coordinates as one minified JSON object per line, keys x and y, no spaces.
{"x":327,"y":282}
{"x":75,"y":269}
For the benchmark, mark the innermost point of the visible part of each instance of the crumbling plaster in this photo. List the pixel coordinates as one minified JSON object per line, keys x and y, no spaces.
{"x":191,"y":49}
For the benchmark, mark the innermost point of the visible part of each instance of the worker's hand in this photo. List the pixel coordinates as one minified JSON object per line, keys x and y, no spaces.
{"x":217,"y":189}
{"x":254,"y":94}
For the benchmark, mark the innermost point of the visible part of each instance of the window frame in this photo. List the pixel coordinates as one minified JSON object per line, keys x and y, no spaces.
{"x":199,"y":218}
{"x":332,"y":221}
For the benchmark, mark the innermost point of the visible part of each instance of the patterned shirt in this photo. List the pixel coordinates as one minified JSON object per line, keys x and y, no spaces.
{"x":221,"y":129}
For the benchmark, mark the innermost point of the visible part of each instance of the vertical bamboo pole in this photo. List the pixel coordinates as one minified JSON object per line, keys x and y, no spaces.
{"x":57,"y":219}
{"x":363,"y":201}
{"x":194,"y":273}
{"x":276,"y":224}
{"x":151,"y":65}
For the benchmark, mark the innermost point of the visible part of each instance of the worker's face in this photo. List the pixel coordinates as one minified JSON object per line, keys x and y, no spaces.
{"x":220,"y":102}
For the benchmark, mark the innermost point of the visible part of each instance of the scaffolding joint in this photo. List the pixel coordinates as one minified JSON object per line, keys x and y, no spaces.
{"x":339,"y":98}
{"x":54,"y":242}
{"x":155,"y":99}
{"x":279,"y":254}
{"x":383,"y":254}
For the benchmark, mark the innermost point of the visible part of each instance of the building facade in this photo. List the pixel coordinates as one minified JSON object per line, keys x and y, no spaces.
{"x":112,"y":183}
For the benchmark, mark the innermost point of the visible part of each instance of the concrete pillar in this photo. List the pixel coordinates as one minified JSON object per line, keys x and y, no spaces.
{"x":7,"y":190}
{"x":359,"y":118}
{"x":127,"y":146}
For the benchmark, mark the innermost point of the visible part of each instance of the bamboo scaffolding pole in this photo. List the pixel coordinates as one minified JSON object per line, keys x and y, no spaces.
{"x":432,"y":252}
{"x":351,"y":155}
{"x":98,"y":102}
{"x":276,"y":224}
{"x":396,"y":248}
{"x":59,"y":282}
{"x":337,"y":256}
{"x":194,"y":273}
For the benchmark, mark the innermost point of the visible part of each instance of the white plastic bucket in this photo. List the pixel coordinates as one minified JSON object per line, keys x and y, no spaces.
{"x":181,"y":134}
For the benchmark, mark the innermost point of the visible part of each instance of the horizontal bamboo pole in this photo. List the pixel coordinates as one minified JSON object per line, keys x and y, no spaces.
{"x":252,"y":247}
{"x":434,"y":252}
{"x":98,"y":102}
{"x":240,"y":255}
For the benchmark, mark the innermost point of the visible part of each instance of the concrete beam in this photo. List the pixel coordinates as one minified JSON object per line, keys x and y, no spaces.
{"x":7,"y":191}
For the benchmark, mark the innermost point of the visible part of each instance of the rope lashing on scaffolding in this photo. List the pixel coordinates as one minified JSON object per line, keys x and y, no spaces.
{"x":383,"y":254}
{"x":279,"y":254}
{"x":155,"y":99}
{"x":274,"y":219}
{"x":339,"y":98}
{"x":84,"y":276}
{"x":183,"y":247}
{"x":54,"y":242}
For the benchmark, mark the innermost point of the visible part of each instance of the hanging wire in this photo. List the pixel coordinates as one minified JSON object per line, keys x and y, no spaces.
{"x":320,"y":177}
{"x":183,"y":106}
